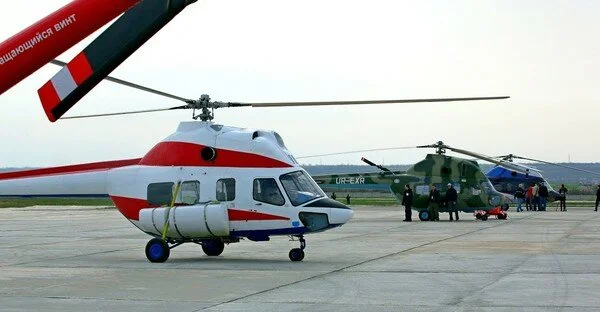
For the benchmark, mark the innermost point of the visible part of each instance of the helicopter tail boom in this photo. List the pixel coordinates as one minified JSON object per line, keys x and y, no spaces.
{"x":83,"y":180}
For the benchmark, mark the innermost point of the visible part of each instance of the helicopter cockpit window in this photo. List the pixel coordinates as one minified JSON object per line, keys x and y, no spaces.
{"x":300,"y":188}
{"x":487,"y":187}
{"x":267,"y":191}
{"x":189,"y":194}
{"x":422,"y":189}
{"x":226,"y":189}
{"x":475,"y":190}
{"x":159,"y":194}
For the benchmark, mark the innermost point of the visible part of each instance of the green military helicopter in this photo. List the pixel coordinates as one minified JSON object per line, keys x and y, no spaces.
{"x":475,"y":191}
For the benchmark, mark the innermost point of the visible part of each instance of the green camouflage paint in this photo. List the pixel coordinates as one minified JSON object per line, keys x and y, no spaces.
{"x":475,"y":192}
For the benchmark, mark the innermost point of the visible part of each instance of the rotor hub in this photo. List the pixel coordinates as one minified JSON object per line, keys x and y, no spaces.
{"x":206,"y":107}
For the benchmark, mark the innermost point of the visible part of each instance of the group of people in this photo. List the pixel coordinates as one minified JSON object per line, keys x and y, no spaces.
{"x":434,"y":200}
{"x":535,"y":197}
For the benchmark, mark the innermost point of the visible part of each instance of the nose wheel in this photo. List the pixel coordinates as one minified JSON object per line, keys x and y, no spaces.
{"x":297,"y":254}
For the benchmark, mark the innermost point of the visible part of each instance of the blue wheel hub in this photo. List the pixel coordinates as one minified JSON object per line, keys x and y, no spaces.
{"x":156,"y":251}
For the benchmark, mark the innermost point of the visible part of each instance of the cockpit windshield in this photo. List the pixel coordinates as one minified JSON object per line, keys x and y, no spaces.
{"x":487,"y":187}
{"x":300,"y":188}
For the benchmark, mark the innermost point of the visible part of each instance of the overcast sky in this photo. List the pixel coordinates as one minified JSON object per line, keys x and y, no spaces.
{"x":544,"y":54}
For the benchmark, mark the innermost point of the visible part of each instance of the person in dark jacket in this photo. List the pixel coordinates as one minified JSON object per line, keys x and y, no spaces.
{"x":407,"y":200}
{"x":543,"y":193}
{"x":563,"y":197}
{"x":597,"y":198}
{"x":433,"y":202}
{"x":520,"y":197}
{"x":451,"y":198}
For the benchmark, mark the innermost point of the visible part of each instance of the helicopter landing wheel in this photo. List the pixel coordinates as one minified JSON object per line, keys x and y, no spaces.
{"x":213,"y":247}
{"x":424,"y":215}
{"x":297,"y":254}
{"x":157,"y":250}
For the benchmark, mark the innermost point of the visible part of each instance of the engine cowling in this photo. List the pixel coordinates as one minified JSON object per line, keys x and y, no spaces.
{"x":187,"y":222}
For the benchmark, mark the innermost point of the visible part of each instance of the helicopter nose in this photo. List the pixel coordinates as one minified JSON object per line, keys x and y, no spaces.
{"x":340,"y":215}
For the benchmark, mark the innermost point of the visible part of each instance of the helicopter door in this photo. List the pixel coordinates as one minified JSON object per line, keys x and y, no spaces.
{"x":189,"y":190}
{"x":267,"y":196}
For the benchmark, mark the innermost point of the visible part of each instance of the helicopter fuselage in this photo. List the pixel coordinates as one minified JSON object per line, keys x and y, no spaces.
{"x":475,"y":192}
{"x":205,"y":182}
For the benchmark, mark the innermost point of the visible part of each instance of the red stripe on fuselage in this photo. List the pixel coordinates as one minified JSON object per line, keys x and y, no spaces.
{"x":130,"y":207}
{"x":188,"y":154}
{"x":245,"y":215}
{"x":98,"y":166}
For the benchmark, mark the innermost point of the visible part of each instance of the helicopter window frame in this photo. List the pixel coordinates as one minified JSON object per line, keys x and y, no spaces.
{"x":422,"y":189}
{"x":160,"y":193}
{"x":227,"y":189}
{"x":276,"y":198}
{"x":300,"y":187}
{"x":189,"y":190}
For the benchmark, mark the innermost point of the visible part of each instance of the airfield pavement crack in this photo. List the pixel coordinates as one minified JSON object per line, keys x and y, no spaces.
{"x":362,"y":262}
{"x":460,"y":301}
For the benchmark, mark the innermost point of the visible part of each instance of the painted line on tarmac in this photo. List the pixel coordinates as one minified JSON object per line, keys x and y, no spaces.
{"x":366,"y":261}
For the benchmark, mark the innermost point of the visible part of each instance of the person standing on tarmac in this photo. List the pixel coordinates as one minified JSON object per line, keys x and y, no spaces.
{"x":543,"y":192}
{"x":451,"y":198}
{"x":597,"y":198}
{"x":529,"y":198}
{"x":520,"y":196}
{"x":563,"y":197}
{"x":434,"y":199}
{"x":407,"y":200}
{"x":536,"y":197}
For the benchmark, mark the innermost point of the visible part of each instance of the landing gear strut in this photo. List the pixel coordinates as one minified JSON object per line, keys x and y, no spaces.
{"x":297,"y":254}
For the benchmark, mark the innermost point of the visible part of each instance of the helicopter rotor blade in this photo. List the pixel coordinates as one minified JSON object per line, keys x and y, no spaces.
{"x":555,"y":164}
{"x":442,"y":147}
{"x":358,"y":151}
{"x":133,"y":85}
{"x":370,"y":163}
{"x":328,"y":103}
{"x":505,"y":164}
{"x":127,"y":113}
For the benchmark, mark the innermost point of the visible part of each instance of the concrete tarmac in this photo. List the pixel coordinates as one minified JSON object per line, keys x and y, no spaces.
{"x":92,"y":259}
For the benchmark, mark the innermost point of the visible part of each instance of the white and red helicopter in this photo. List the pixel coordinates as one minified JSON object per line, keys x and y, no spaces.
{"x":206,"y":183}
